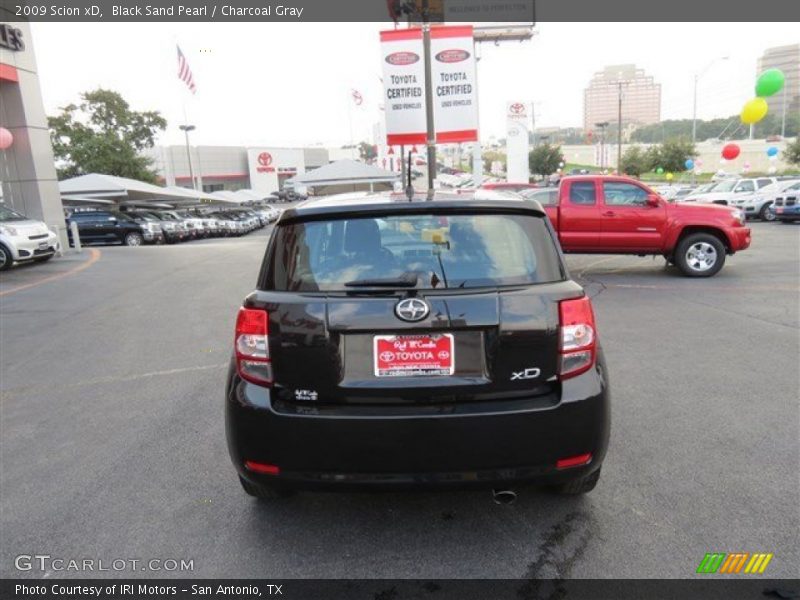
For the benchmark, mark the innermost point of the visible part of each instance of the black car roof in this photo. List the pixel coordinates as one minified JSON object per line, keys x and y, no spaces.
{"x":394,"y":202}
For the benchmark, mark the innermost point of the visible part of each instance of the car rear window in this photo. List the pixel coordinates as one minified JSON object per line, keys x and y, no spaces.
{"x":430,"y":251}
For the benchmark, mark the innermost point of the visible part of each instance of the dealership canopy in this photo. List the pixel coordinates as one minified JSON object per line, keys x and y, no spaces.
{"x":95,"y":188}
{"x":344,"y":173}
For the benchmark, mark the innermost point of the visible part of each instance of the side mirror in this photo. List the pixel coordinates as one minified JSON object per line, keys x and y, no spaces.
{"x":652,"y":200}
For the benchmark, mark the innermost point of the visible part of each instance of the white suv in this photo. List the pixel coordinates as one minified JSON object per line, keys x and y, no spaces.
{"x":757,"y":205}
{"x":23,"y":239}
{"x":725,"y":192}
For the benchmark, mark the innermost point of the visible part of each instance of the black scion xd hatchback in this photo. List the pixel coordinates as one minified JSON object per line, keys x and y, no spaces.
{"x":426,"y":342}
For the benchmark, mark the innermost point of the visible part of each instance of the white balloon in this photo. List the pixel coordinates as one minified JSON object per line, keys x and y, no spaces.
{"x":772,"y":170}
{"x":722,"y":161}
{"x":698,"y":171}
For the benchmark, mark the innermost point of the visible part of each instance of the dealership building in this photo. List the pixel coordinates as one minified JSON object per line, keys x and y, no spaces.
{"x":264,"y":169}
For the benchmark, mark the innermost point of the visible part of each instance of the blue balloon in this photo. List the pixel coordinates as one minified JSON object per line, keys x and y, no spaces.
{"x":772,"y":151}
{"x":689,"y":163}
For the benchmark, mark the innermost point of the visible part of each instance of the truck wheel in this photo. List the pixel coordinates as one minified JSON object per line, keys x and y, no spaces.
{"x":263,"y":493}
{"x":582,"y":485}
{"x":765,"y":214}
{"x":700,"y":255}
{"x":5,"y":258}
{"x":133,"y":239}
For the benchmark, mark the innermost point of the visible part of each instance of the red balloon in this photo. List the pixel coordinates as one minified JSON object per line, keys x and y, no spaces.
{"x":730,"y":151}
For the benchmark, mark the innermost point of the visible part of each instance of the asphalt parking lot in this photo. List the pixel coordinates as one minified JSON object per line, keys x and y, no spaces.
{"x":113,"y":443}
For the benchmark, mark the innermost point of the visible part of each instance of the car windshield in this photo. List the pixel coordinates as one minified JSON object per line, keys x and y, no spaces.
{"x":6,"y":214}
{"x":430,"y":251}
{"x":725,"y":186}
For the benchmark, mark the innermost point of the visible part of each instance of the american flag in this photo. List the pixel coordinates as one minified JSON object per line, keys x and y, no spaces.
{"x":184,"y":72}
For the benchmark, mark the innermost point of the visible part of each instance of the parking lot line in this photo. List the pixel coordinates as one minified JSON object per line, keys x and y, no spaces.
{"x":93,"y":258}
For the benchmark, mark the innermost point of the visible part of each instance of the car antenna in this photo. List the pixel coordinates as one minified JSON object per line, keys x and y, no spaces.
{"x":409,"y":187}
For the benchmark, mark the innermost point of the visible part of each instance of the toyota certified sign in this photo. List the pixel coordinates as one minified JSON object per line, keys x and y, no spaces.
{"x":402,"y":58}
{"x":453,"y":55}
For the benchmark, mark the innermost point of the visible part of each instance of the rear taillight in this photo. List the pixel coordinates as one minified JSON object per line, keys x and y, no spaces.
{"x":578,"y":337}
{"x":252,"y":346}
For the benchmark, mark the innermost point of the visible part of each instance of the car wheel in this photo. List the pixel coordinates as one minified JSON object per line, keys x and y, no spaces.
{"x":5,"y":258}
{"x":133,"y":239}
{"x":262,"y":492}
{"x":765,"y":214}
{"x":700,"y":255}
{"x":581,"y":485}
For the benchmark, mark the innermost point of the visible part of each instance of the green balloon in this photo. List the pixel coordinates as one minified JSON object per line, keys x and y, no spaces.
{"x":770,"y":82}
{"x":659,"y":170}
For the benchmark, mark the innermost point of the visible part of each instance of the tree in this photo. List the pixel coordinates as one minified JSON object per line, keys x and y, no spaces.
{"x":671,"y":156}
{"x":792,"y":152}
{"x":544,"y":159}
{"x":103,"y":135}
{"x":635,"y":161}
{"x":366,"y":151}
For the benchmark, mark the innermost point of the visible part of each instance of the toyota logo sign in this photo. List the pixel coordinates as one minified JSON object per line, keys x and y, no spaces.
{"x":517,"y":108}
{"x":412,"y":309}
{"x":265,"y":159}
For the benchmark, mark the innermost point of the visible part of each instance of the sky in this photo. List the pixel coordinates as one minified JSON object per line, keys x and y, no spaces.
{"x":289,"y":84}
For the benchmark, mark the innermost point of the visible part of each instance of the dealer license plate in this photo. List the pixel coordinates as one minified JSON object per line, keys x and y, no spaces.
{"x":414,"y":355}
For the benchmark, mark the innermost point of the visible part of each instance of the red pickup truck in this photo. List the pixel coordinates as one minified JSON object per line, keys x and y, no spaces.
{"x":619,"y":215}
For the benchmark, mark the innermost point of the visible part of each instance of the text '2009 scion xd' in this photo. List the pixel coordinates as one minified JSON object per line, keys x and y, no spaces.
{"x":412,"y":343}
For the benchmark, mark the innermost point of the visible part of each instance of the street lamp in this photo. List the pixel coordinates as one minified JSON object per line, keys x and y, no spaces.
{"x":602,"y":127}
{"x":697,"y":76}
{"x":186,"y":129}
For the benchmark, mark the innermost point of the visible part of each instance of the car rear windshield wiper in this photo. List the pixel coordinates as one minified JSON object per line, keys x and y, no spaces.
{"x":405,"y":281}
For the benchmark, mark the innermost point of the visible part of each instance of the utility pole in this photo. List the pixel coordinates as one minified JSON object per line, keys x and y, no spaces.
{"x":431,"y":130}
{"x":186,"y":129}
{"x":619,"y":118}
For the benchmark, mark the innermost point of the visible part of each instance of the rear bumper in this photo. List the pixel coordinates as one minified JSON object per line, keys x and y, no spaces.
{"x":484,"y":446}
{"x":787,"y":213}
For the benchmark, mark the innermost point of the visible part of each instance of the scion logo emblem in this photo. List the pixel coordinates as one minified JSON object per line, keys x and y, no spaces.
{"x":412,"y":309}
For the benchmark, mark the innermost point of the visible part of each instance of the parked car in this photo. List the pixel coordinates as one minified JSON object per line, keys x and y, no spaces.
{"x":23,"y":239}
{"x":151,"y":226}
{"x":619,"y":215}
{"x":758,"y":205}
{"x":543,"y":196}
{"x":509,"y":186}
{"x":787,"y":205}
{"x":106,"y":227}
{"x":175,"y":228}
{"x":372,"y":355}
{"x":728,"y":190}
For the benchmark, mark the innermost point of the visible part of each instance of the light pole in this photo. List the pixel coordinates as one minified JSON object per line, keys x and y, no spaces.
{"x":602,"y":127}
{"x":697,"y":77}
{"x":186,"y":129}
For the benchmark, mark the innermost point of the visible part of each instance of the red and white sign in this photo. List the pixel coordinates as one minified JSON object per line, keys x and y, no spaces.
{"x":455,"y":103}
{"x":414,"y":355}
{"x":455,"y":108}
{"x":265,"y":163}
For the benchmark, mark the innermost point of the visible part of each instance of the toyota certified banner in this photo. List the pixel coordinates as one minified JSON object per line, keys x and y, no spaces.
{"x":455,"y":104}
{"x":455,"y":107}
{"x":404,"y":86}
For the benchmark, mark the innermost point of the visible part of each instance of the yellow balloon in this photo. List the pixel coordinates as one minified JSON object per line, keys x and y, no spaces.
{"x":670,"y":176}
{"x":754,"y":111}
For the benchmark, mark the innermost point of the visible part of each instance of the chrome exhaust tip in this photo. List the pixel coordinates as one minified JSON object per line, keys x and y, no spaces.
{"x":505,"y":497}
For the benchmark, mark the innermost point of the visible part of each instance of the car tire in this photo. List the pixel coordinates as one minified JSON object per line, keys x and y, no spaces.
{"x":6,"y":258}
{"x":765,"y":214}
{"x":133,"y":239}
{"x":263,"y":492}
{"x":700,"y":255}
{"x":581,"y":485}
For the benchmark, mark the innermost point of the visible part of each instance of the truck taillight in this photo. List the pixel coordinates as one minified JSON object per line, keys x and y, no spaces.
{"x":252,"y":346}
{"x":578,"y":337}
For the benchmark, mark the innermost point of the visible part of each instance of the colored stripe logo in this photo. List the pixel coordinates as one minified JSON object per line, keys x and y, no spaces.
{"x":734,"y":563}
